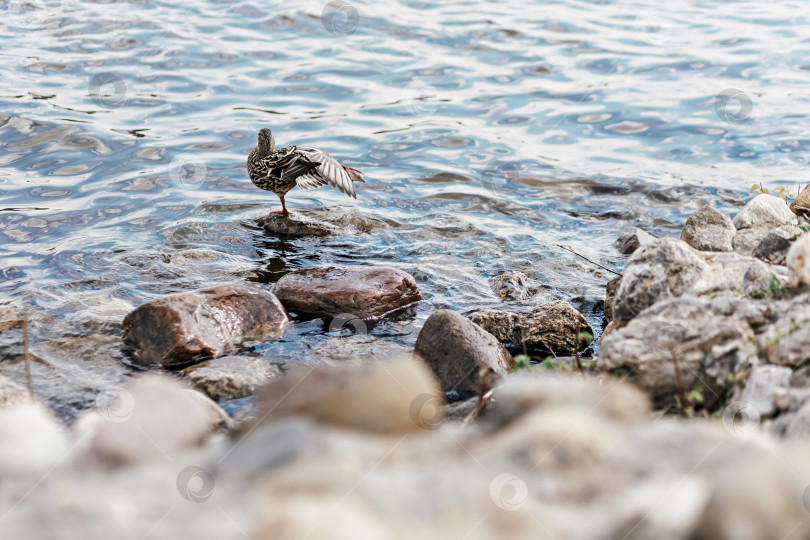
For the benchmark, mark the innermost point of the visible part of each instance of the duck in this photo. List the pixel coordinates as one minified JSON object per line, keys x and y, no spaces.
{"x":306,"y":167}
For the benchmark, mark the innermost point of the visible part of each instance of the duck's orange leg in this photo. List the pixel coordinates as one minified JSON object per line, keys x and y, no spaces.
{"x":283,"y":210}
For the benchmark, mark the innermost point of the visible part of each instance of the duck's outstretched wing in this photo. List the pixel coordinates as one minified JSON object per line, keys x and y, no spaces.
{"x":328,"y":171}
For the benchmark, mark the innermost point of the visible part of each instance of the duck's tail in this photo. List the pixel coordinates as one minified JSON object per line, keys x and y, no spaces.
{"x":354,"y":174}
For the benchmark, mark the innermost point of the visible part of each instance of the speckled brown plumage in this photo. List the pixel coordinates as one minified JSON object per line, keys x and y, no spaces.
{"x":308,"y":168}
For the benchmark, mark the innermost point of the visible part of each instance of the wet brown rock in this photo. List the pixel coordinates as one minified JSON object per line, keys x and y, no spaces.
{"x":230,"y":377}
{"x":801,"y":205}
{"x":708,"y":230}
{"x":363,"y":291}
{"x":295,"y":226}
{"x":181,"y":328}
{"x":465,"y":358}
{"x":394,"y":396}
{"x":555,"y":326}
{"x":629,"y":242}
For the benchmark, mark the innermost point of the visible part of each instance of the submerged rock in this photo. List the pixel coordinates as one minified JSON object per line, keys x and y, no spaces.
{"x":398,"y":396}
{"x":466,"y":359}
{"x":774,"y":246}
{"x":798,"y":261}
{"x":363,"y":292}
{"x":627,"y":243}
{"x":708,"y":230}
{"x":295,"y":226}
{"x":230,"y":377}
{"x":181,"y":328}
{"x":556,"y":327}
{"x":512,"y":285}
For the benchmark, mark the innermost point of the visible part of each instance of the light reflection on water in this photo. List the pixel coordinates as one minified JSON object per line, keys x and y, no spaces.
{"x":489,"y":132}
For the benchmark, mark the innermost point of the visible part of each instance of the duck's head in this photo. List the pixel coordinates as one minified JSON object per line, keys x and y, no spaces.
{"x":267,"y":143}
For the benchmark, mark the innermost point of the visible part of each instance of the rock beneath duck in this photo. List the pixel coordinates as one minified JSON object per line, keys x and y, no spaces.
{"x":684,"y":345}
{"x":798,"y":261}
{"x":610,"y":294}
{"x":230,"y":377}
{"x":285,"y":225}
{"x":387,"y":396}
{"x":774,"y":246}
{"x":764,"y":210}
{"x":181,"y":328}
{"x":363,"y":292}
{"x":670,"y":268}
{"x":12,"y":394}
{"x":762,"y":385}
{"x":512,"y":285}
{"x":708,"y":229}
{"x":465,"y":358}
{"x":630,"y":241}
{"x":153,"y":417}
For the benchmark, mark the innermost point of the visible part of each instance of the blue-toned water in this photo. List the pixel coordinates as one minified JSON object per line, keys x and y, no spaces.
{"x":488,"y":132}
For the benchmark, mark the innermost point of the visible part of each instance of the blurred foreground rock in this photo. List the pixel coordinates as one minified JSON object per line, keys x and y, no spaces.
{"x":181,"y":328}
{"x":363,"y":292}
{"x":551,"y":457}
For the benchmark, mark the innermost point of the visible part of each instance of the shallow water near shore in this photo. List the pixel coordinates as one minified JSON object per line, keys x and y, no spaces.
{"x":488,"y":134}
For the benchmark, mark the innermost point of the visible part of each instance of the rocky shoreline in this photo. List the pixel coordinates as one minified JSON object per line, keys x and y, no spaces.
{"x":687,"y":418}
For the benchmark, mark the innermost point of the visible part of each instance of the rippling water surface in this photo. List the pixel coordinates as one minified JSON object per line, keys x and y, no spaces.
{"x":488,"y":134}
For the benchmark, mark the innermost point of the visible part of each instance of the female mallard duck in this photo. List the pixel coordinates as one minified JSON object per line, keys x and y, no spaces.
{"x":308,"y":168}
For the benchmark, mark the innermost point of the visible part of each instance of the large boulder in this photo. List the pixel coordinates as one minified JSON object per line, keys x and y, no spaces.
{"x":182,"y":328}
{"x":465,"y":358}
{"x":395,"y":396}
{"x":669,"y":268}
{"x":679,"y":348}
{"x":708,"y":230}
{"x":361,"y":291}
{"x":555,"y":327}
